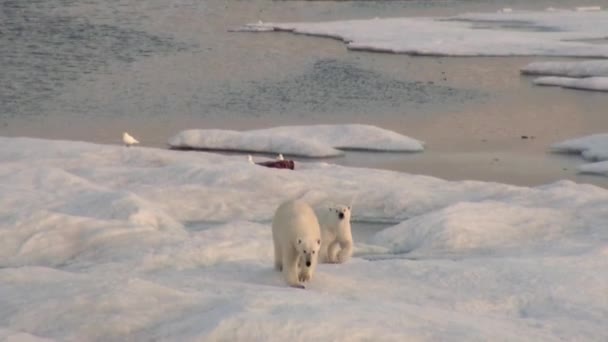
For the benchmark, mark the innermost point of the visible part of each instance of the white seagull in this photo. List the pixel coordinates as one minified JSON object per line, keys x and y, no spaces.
{"x":128,"y":140}
{"x":280,"y":157}
{"x":250,"y":159}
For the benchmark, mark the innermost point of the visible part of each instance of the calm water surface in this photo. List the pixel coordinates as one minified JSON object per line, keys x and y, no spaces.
{"x":87,"y":70}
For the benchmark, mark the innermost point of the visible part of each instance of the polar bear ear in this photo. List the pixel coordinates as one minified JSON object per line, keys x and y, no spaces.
{"x":348,"y":207}
{"x":299,"y":241}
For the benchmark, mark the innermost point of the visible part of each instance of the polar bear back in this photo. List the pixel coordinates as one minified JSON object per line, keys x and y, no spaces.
{"x":295,"y":220}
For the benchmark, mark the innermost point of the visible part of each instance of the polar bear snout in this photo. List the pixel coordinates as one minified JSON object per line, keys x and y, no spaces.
{"x":308,"y":258}
{"x":341,"y":216}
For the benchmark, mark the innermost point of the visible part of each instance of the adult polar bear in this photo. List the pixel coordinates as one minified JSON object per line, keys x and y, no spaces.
{"x":297,"y":239}
{"x":336,"y":234}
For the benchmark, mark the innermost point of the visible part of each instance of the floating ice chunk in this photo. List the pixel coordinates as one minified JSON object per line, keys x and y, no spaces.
{"x":309,"y":141}
{"x":568,"y":69}
{"x":587,"y":83}
{"x":584,"y":75}
{"x":600,"y":168}
{"x":588,"y":8}
{"x":592,"y":147}
{"x":257,"y":27}
{"x":213,"y":139}
{"x":350,"y":136}
{"x":521,"y":33}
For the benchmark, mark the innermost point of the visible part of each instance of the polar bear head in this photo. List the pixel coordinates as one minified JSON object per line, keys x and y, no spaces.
{"x":339,"y":215}
{"x":308,"y":250}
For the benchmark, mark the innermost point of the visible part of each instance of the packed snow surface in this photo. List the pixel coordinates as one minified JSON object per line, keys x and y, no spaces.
{"x":505,"y":33}
{"x":102,"y":242}
{"x":309,"y":141}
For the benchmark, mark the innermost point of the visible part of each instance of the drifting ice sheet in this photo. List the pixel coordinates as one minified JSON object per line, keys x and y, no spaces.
{"x":516,"y":33}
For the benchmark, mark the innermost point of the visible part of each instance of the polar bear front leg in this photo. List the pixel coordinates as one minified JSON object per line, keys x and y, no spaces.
{"x":323,"y":252}
{"x":346,"y":251}
{"x":332,"y":250}
{"x":290,"y":268}
{"x":278,"y":257}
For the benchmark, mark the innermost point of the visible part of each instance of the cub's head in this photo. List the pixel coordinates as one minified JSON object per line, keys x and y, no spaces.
{"x":308,"y":250}
{"x":341,"y":213}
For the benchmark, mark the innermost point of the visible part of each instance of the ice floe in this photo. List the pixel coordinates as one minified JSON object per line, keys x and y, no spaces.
{"x":587,"y":83}
{"x":108,"y":243}
{"x":574,"y":69}
{"x":583,"y":75}
{"x":592,"y":147}
{"x":506,"y":33}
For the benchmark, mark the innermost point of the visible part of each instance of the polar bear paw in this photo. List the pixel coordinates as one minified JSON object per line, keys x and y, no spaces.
{"x":305,"y":275}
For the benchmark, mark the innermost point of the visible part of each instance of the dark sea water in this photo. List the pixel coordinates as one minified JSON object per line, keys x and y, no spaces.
{"x":90,"y":69}
{"x":57,"y":56}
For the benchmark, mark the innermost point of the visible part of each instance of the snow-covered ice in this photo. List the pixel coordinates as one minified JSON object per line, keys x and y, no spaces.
{"x":592,"y":147}
{"x":308,"y":141}
{"x":505,"y":33}
{"x":106,"y":243}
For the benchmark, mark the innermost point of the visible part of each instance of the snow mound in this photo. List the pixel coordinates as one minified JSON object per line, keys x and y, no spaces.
{"x":506,"y":33}
{"x":481,"y":228}
{"x":308,"y":141}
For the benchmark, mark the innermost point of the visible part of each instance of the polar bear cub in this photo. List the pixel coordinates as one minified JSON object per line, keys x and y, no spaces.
{"x":336,"y":235}
{"x":297,"y":239}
